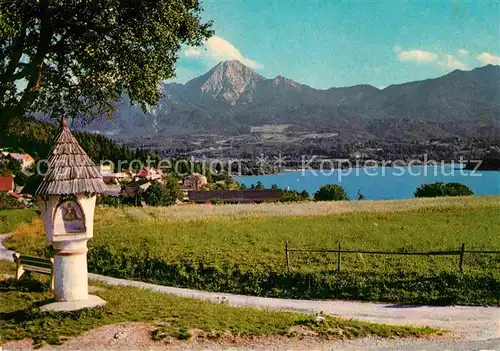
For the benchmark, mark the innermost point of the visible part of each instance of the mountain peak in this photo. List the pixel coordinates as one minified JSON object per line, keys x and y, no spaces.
{"x":281,"y":80}
{"x":227,"y":81}
{"x":231,"y":68}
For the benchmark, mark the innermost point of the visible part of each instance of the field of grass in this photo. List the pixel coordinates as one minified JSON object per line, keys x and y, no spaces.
{"x":174,"y":317}
{"x":10,"y":219}
{"x":241,"y":249}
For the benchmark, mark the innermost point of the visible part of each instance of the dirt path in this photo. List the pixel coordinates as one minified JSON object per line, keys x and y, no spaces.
{"x":137,"y":336}
{"x":469,"y":323}
{"x":4,"y":253}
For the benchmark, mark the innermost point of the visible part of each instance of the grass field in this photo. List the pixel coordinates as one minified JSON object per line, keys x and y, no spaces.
{"x":174,"y":317}
{"x":10,"y":219}
{"x":241,"y":248}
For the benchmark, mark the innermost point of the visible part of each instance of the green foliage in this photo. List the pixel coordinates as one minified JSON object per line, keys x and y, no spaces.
{"x":294,"y":196}
{"x":12,"y":167}
{"x":113,"y":201}
{"x":174,"y":317}
{"x":162,"y":194}
{"x":130,"y":47}
{"x":360,"y":196}
{"x":31,"y":184}
{"x":11,"y":218}
{"x":331,"y":192}
{"x":36,"y":138}
{"x":222,"y":181}
{"x":216,"y":201}
{"x":258,"y":186}
{"x":155,"y":194}
{"x":443,"y":189}
{"x":246,"y":255}
{"x":8,"y":202}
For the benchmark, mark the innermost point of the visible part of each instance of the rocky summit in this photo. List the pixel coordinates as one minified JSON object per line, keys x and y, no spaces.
{"x":231,"y":98}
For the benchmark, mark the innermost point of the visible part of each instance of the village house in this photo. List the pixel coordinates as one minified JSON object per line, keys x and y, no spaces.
{"x":106,"y":169}
{"x":195,"y":181}
{"x":7,"y":184}
{"x":133,"y":188}
{"x":150,"y":173}
{"x":142,"y":181}
{"x":25,"y":160}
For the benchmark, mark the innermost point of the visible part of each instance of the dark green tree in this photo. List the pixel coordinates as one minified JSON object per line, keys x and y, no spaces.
{"x":294,"y":196}
{"x":259,"y":186}
{"x":360,"y":196}
{"x":77,"y":58}
{"x":159,"y":194}
{"x":331,"y":192}
{"x":153,"y":196}
{"x":443,"y":189}
{"x":172,"y":191}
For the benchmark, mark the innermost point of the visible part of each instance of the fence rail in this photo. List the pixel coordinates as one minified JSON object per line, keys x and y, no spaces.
{"x":461,"y":252}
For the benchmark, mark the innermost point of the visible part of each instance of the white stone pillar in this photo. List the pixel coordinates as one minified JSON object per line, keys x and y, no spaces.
{"x":70,"y":270}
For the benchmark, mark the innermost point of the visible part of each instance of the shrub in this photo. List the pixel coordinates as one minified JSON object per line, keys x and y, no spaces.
{"x":159,"y":194}
{"x":294,"y":196}
{"x":216,"y":201}
{"x":360,"y":196}
{"x":443,"y":189}
{"x":331,"y":192}
{"x":107,"y":200}
{"x":8,"y":202}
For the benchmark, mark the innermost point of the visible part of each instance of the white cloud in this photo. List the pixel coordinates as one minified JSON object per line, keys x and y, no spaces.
{"x":486,"y":58}
{"x":418,"y":56}
{"x":220,"y":49}
{"x":450,"y":61}
{"x":192,"y":52}
{"x":463,"y":52}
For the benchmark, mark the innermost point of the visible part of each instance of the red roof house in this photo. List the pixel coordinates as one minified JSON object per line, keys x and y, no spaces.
{"x":7,"y":183}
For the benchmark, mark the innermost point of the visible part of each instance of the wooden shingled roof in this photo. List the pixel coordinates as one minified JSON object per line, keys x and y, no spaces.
{"x":70,"y":170}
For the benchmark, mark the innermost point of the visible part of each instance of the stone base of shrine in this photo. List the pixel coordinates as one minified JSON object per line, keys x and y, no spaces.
{"x":91,"y":302}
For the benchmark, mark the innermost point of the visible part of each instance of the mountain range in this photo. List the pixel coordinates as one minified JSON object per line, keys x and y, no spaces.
{"x":231,"y":98}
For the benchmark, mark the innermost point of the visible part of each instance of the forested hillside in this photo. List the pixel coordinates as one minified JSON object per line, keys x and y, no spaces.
{"x":36,"y":138}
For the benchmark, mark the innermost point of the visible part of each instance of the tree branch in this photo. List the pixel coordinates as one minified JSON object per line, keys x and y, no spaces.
{"x":36,"y":64}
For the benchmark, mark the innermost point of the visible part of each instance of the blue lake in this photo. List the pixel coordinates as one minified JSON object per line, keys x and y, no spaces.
{"x":381,"y":182}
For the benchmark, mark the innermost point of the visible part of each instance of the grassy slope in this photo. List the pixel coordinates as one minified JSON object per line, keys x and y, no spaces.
{"x":239,"y":249}
{"x":10,"y":219}
{"x":21,"y":318}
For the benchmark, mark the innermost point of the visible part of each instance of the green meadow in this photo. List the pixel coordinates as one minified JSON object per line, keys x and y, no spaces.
{"x":242,"y":249}
{"x":10,"y":219}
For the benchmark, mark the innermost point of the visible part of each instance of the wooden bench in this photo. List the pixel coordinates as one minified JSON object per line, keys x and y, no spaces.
{"x":26,"y":264}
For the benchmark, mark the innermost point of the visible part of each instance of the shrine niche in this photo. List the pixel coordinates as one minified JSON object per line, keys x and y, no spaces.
{"x":67,"y":197}
{"x":69,"y":218}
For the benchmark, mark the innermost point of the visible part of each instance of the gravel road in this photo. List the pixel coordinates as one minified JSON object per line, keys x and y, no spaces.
{"x":4,"y":253}
{"x":466,"y":322}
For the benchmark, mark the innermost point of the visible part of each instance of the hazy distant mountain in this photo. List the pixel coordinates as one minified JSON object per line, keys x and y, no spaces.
{"x":231,"y":98}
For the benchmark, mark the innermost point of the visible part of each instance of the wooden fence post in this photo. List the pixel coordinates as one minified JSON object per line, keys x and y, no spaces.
{"x":462,"y":249}
{"x":338,"y":258}
{"x":287,"y":257}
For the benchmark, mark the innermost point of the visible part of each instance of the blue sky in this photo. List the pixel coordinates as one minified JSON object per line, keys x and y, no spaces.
{"x":331,"y":43}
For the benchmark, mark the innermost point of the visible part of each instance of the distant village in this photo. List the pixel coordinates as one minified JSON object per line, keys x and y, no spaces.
{"x":128,"y":183}
{"x":194,"y":188}
{"x":7,"y":182}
